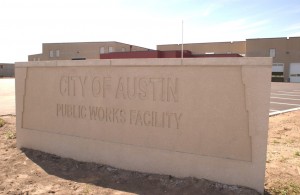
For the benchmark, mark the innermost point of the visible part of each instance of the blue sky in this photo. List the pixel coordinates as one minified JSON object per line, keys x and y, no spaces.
{"x":25,"y":25}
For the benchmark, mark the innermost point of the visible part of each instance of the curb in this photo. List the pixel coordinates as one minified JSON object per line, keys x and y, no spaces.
{"x":284,"y":111}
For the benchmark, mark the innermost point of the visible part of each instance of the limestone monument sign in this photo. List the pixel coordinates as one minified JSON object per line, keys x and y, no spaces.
{"x":205,"y":118}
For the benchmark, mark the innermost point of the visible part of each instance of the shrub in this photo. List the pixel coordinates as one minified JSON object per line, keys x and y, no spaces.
{"x":2,"y":122}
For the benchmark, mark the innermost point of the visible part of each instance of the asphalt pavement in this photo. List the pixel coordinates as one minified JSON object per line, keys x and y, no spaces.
{"x":7,"y":96}
{"x":284,"y":97}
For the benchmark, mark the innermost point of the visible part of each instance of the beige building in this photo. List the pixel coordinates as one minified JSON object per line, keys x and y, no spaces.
{"x":81,"y":50}
{"x":7,"y":70}
{"x":285,"y":53}
{"x":209,"y":48}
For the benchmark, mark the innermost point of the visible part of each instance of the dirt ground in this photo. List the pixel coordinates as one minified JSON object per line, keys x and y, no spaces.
{"x":32,"y":172}
{"x":283,"y":157}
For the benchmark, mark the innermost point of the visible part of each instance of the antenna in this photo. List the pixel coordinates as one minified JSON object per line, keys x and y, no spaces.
{"x":182,"y":40}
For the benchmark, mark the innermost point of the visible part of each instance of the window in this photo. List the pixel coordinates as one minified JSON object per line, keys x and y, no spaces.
{"x":57,"y":53}
{"x":110,"y":49}
{"x":123,"y":49}
{"x":51,"y":54}
{"x":1,"y":66}
{"x":78,"y":58}
{"x":277,"y":72}
{"x":209,"y":52}
{"x":272,"y":52}
{"x":278,"y":67}
{"x":295,"y":75}
{"x":102,"y":50}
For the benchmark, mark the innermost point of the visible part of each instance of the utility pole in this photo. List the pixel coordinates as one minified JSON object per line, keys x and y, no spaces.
{"x":182,"y":40}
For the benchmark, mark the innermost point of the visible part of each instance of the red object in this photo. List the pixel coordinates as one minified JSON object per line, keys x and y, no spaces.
{"x":216,"y":55}
{"x":160,"y":54}
{"x":133,"y":54}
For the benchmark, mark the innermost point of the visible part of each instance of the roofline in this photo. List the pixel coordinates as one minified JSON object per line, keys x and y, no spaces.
{"x":229,"y":41}
{"x":94,"y":42}
{"x":295,"y":37}
{"x":268,"y":38}
{"x":7,"y":63}
{"x":82,"y":42}
{"x":272,"y":38}
{"x":35,"y":54}
{"x":202,"y":43}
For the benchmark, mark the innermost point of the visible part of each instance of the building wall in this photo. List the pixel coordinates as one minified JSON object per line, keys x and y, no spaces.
{"x":287,"y":51}
{"x":36,"y":57}
{"x":81,"y":50}
{"x":204,"y":48}
{"x":7,"y":70}
{"x":293,"y":45}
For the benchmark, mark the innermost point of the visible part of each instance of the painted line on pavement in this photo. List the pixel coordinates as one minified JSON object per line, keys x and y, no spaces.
{"x":288,"y":92}
{"x":284,"y":94}
{"x":285,"y":103}
{"x":283,"y":98}
{"x":274,"y":110}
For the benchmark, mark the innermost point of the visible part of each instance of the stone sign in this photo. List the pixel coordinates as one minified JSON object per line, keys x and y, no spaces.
{"x":205,"y":118}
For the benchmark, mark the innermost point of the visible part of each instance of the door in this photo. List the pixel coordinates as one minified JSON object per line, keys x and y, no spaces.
{"x":295,"y":72}
{"x":277,"y":72}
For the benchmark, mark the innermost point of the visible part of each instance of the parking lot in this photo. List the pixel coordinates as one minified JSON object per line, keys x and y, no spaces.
{"x":7,"y":96}
{"x":284,"y":97}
